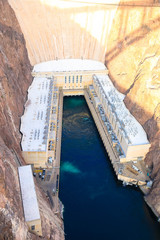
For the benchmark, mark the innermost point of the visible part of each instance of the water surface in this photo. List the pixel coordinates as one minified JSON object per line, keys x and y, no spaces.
{"x":96,"y":205}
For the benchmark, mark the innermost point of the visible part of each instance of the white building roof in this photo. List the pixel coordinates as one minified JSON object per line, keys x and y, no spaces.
{"x":130,"y":127}
{"x":29,"y":198}
{"x":34,"y":122}
{"x":67,"y":65}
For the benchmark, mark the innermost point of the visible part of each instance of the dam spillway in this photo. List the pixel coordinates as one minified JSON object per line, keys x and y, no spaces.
{"x":65,"y":29}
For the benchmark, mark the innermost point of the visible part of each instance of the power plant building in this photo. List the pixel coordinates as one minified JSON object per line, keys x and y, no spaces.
{"x":71,"y":74}
{"x":38,"y":123}
{"x":132,"y":142}
{"x":72,"y":77}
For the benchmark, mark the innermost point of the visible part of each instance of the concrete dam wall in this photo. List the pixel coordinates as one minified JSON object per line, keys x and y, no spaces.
{"x":65,"y":29}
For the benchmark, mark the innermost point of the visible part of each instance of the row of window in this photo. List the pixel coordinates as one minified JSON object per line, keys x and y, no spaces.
{"x":72,"y":87}
{"x":72,"y":78}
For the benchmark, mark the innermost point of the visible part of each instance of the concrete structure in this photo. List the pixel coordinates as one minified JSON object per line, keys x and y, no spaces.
{"x":70,"y":74}
{"x":38,"y":124}
{"x":119,"y":128}
{"x":29,"y":199}
{"x":57,"y":29}
{"x":131,"y":138}
{"x":65,"y":29}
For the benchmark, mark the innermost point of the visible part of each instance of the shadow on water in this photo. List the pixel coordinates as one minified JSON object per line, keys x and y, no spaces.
{"x":96,"y":205}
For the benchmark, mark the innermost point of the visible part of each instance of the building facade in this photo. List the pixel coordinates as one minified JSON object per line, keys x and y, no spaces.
{"x":39,"y":123}
{"x":70,"y":74}
{"x":132,"y":142}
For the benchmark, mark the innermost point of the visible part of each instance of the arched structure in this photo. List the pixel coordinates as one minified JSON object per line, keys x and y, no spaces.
{"x":65,"y":29}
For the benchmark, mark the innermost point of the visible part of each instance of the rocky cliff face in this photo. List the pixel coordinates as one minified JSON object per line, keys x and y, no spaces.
{"x":15,"y":79}
{"x":133,"y":61}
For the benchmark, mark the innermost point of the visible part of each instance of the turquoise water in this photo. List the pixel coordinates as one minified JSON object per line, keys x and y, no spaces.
{"x":96,"y":205}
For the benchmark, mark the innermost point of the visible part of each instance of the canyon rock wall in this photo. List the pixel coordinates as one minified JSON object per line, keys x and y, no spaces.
{"x":133,"y":60}
{"x":65,"y":29}
{"x":15,"y":78}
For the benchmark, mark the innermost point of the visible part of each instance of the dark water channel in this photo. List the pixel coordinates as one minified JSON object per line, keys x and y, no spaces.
{"x":96,"y":205}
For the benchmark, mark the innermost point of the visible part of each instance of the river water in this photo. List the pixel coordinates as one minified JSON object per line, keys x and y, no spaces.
{"x":96,"y":205}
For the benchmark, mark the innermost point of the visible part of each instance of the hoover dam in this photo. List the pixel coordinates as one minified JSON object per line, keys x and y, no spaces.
{"x":65,"y":29}
{"x":121,"y":36}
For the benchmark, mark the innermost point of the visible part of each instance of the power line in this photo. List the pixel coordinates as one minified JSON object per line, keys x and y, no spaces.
{"x":125,"y":4}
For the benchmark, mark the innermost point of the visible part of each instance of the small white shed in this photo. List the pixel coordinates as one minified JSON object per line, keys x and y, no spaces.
{"x":29,"y":199}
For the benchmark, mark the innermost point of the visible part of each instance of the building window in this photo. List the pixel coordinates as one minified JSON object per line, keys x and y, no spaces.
{"x":52,"y":126}
{"x":69,"y":79}
{"x":80,"y":78}
{"x":50,"y":145}
{"x":50,"y":160}
{"x":33,"y":227}
{"x":76,"y":79}
{"x":73,"y":79}
{"x":65,"y":79}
